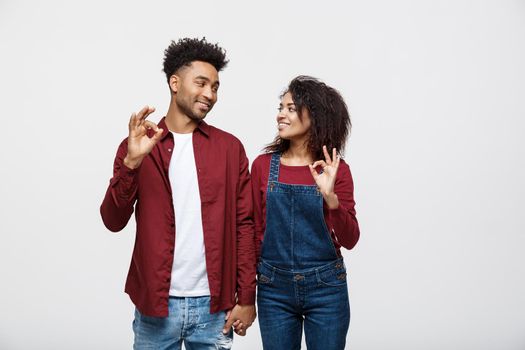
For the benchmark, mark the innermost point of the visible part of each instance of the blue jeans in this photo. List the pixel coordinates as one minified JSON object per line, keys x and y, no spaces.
{"x":317,"y":297}
{"x":189,"y":321}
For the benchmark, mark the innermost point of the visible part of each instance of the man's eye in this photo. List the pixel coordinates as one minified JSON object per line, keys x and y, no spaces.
{"x":200,"y":83}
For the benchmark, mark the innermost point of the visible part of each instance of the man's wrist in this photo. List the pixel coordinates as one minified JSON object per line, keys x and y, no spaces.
{"x":132,"y":163}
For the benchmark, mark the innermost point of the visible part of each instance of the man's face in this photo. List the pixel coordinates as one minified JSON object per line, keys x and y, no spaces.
{"x":196,"y":89}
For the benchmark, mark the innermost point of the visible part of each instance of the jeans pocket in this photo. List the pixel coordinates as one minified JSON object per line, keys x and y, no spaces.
{"x":264,"y":275}
{"x":263,"y":279}
{"x":225,"y":341}
{"x":332,"y":278}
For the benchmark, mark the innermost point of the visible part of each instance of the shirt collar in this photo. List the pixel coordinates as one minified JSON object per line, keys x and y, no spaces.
{"x":202,"y":127}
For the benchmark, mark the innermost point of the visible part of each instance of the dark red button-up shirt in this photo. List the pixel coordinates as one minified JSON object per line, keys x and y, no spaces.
{"x":226,"y":206}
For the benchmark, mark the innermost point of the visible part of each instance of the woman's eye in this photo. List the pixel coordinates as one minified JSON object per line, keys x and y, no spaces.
{"x":291,"y":109}
{"x":280,"y":109}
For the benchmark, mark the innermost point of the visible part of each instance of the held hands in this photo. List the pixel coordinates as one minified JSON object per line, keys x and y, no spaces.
{"x":326,"y":180}
{"x":241,"y":318}
{"x":139,"y":144}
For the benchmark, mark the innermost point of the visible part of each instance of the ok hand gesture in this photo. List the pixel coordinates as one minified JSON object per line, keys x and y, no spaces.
{"x":326,"y":180}
{"x":139,"y":144}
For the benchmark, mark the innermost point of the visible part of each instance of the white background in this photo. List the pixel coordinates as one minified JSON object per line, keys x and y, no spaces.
{"x":436,"y":91}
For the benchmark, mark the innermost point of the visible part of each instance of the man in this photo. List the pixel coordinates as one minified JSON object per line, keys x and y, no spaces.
{"x":192,"y":273}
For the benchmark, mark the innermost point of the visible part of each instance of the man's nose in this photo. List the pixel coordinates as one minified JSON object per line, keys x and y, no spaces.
{"x":208,"y":93}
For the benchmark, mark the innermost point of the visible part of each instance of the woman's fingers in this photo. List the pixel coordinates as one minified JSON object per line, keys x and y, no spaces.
{"x":326,"y":155}
{"x":320,"y":163}
{"x":314,"y":173}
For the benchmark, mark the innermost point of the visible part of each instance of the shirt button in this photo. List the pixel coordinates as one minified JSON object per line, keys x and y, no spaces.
{"x":172,"y":224}
{"x":169,"y":149}
{"x":171,"y":251}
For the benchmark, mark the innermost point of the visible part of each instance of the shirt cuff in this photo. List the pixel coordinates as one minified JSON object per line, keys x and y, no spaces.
{"x":128,"y":181}
{"x":338,"y":212}
{"x":246,"y":297}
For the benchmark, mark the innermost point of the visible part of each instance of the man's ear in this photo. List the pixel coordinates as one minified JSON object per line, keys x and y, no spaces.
{"x":174,"y":83}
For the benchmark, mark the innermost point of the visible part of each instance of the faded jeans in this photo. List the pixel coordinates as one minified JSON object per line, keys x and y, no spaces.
{"x":189,"y":321}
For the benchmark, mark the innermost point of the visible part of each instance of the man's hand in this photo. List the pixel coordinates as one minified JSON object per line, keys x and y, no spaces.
{"x":139,"y":144}
{"x":241,"y":318}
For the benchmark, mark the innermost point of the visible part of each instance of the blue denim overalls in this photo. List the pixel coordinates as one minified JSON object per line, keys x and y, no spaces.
{"x":300,"y":277}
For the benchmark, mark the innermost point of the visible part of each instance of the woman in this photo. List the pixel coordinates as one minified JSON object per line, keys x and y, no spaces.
{"x":304,"y":213}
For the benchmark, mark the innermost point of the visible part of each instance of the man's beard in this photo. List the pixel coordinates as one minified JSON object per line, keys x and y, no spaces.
{"x":189,"y":112}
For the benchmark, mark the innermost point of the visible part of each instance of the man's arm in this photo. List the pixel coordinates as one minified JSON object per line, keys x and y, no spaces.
{"x":117,"y":206}
{"x":244,"y":311}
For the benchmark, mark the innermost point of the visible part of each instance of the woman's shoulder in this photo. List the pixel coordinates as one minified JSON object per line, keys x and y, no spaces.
{"x":344,"y":173}
{"x":262,"y":161}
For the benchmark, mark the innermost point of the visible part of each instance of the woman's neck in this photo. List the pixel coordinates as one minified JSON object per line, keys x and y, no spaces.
{"x":297,"y":154}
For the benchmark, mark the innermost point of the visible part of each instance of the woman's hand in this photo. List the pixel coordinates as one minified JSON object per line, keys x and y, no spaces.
{"x":326,"y":180}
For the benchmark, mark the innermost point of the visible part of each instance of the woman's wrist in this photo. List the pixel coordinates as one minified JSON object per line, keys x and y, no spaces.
{"x":332,"y":202}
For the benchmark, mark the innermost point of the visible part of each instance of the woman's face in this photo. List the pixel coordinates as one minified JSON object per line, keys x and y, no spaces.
{"x":288,"y":123}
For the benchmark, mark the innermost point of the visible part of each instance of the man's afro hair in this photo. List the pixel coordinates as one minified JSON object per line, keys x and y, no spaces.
{"x":187,"y":50}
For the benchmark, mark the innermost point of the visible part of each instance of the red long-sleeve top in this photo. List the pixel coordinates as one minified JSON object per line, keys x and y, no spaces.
{"x":341,"y":222}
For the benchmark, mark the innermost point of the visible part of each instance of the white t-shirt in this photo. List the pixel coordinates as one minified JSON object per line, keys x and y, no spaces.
{"x":188,"y":274}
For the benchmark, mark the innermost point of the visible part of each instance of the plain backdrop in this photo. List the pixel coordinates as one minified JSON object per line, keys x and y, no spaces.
{"x":436,"y":91}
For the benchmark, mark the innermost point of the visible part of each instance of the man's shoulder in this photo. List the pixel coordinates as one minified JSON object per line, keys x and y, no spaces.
{"x":223,"y":136}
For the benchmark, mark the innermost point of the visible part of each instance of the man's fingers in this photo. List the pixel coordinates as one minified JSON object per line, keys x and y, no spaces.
{"x":133,"y":120}
{"x":229,"y":322}
{"x":150,"y":125}
{"x":158,"y":135}
{"x":240,"y":329}
{"x":144,"y":112}
{"x":228,"y":325}
{"x":138,"y":118}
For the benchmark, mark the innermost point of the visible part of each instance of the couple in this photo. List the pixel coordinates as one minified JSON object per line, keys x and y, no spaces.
{"x":206,"y":228}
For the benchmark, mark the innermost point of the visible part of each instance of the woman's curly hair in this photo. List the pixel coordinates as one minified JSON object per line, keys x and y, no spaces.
{"x":329,"y":117}
{"x":187,"y":50}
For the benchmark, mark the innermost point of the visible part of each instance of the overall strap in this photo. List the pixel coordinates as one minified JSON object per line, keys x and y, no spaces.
{"x":274,"y":167}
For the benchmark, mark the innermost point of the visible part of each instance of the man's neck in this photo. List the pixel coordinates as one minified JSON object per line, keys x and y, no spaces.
{"x":178,"y":122}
